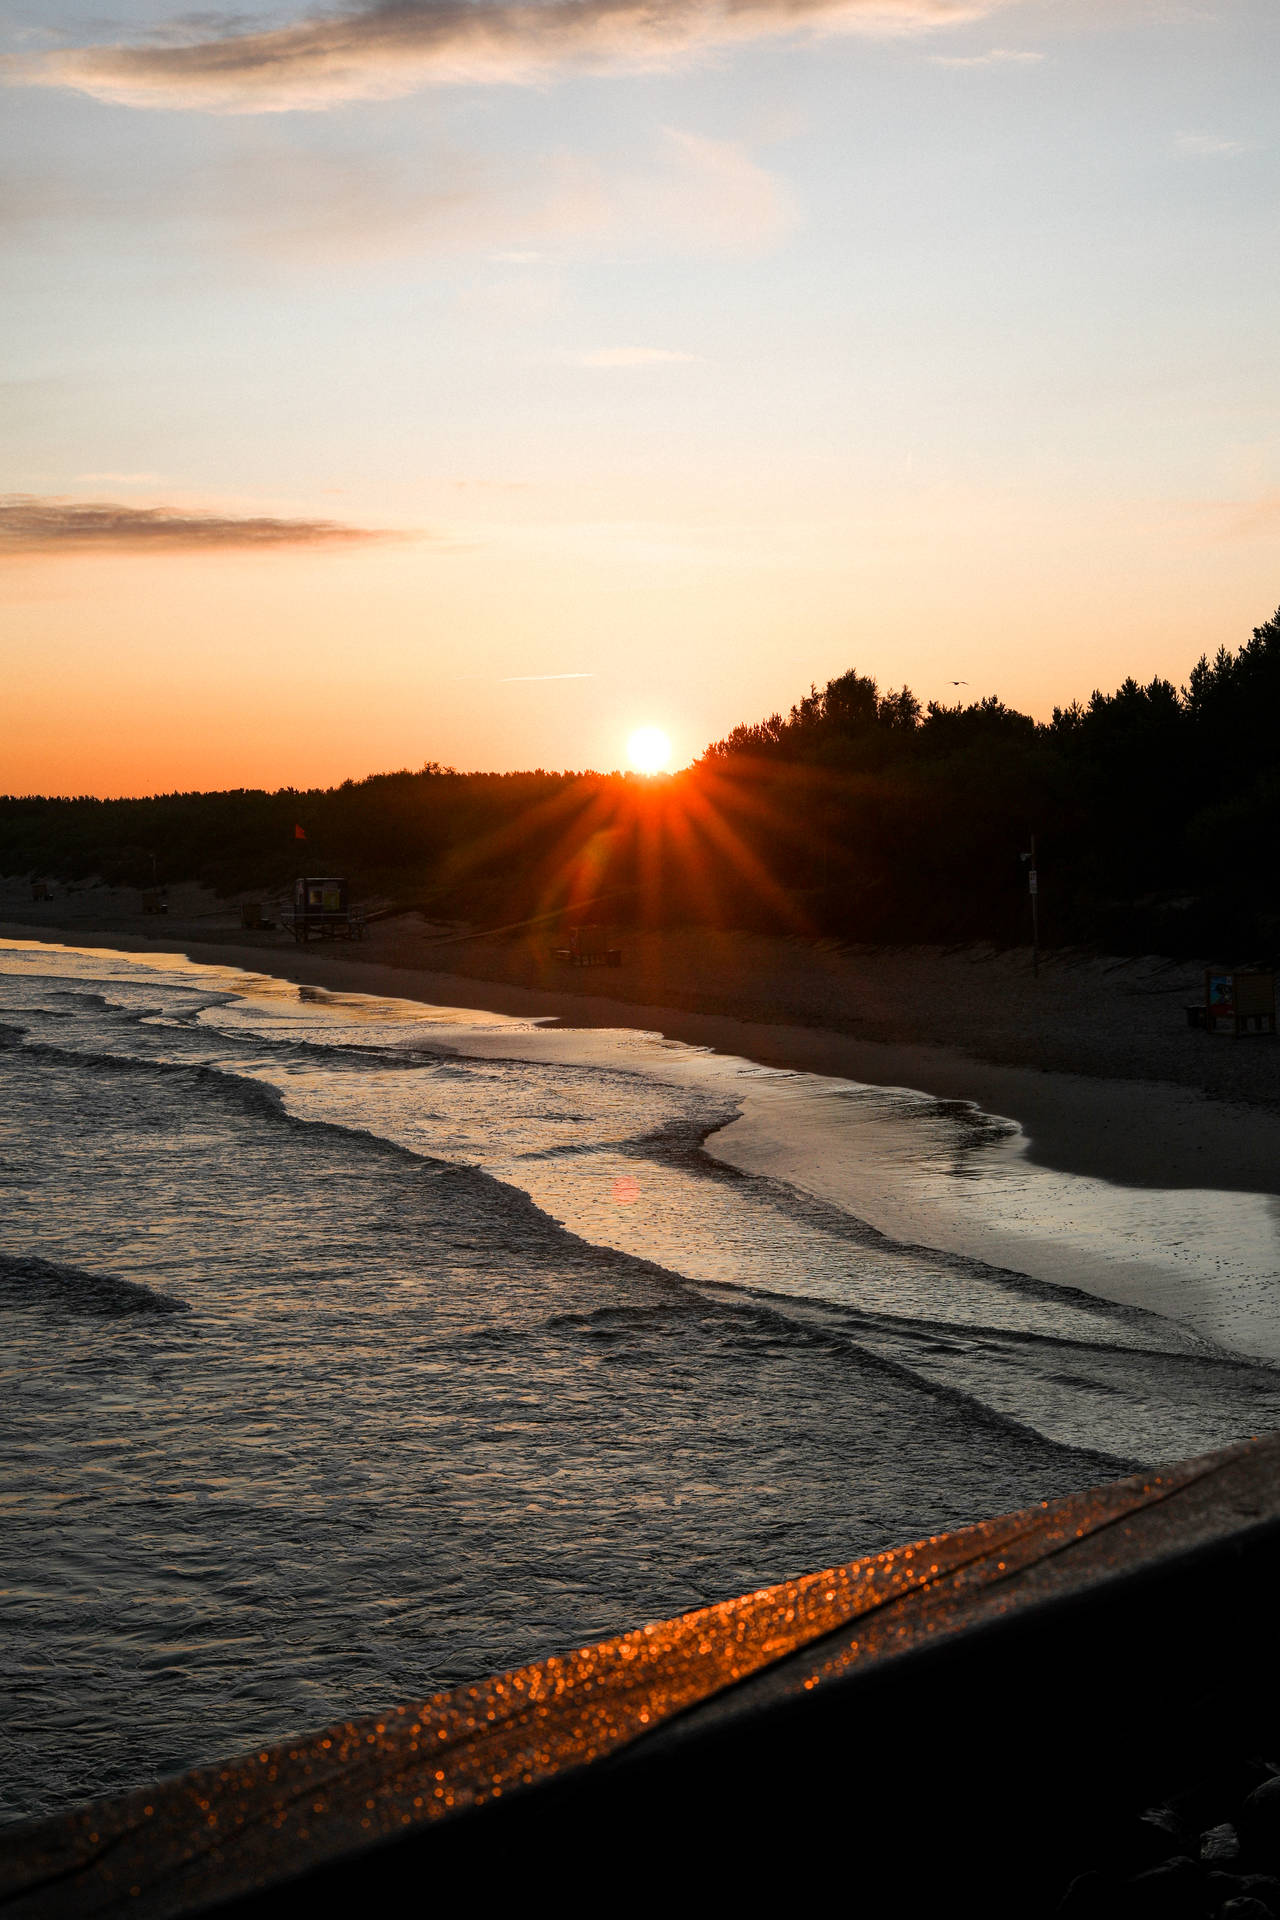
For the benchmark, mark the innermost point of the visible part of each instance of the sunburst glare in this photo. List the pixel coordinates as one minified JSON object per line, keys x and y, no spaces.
{"x":649,"y":750}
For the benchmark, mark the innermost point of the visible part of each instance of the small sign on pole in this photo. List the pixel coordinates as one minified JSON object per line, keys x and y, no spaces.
{"x":1033,"y":891}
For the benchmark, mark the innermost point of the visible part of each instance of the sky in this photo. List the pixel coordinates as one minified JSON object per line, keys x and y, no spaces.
{"x":476,"y":381}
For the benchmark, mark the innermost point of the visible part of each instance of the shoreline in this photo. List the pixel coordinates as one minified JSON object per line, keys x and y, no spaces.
{"x":1123,"y":1128}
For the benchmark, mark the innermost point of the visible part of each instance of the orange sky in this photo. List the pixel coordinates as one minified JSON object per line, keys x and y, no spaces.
{"x":417,"y":411}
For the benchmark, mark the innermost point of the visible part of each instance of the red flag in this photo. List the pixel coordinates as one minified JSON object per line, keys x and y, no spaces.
{"x":299,"y":833}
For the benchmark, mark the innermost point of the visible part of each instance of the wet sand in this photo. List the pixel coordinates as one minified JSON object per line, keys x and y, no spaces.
{"x":1093,"y":1058}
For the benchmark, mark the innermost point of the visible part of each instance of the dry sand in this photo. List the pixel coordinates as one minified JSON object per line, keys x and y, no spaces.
{"x":1093,"y":1058}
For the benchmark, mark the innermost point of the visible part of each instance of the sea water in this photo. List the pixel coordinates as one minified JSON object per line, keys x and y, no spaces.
{"x":354,"y":1348}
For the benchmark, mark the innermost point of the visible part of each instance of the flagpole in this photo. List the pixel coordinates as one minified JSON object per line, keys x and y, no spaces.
{"x":299,"y":834}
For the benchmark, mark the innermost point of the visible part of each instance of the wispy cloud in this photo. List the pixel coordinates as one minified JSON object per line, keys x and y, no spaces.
{"x":386,"y":48}
{"x":1215,"y":145}
{"x":689,"y":194}
{"x":994,"y":57}
{"x":341,"y":200}
{"x":631,"y":357}
{"x":31,"y":525}
{"x":508,"y":679}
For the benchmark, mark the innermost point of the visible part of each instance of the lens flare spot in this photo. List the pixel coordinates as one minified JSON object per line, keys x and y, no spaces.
{"x":626,"y":1191}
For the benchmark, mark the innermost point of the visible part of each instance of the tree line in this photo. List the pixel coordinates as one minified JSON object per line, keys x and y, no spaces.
{"x":860,"y":813}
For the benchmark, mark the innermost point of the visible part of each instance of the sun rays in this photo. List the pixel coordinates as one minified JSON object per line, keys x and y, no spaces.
{"x":700,"y":848}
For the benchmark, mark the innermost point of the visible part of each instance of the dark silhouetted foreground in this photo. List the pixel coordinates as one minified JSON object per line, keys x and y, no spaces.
{"x":960,"y":1725}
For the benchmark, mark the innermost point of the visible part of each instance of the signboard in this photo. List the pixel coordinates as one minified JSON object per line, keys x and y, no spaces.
{"x":1220,"y":993}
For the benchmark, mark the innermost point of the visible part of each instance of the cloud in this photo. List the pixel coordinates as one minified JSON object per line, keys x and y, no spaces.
{"x":702,"y":195}
{"x":631,"y":357}
{"x":30,"y":525}
{"x":343,"y":202}
{"x":994,"y":57}
{"x":689,"y":194}
{"x":387,"y":48}
{"x":1216,"y":145}
{"x":338,"y":201}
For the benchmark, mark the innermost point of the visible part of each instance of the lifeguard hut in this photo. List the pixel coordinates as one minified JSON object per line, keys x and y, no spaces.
{"x":589,"y":947}
{"x":322,"y":911}
{"x":1236,"y":1000}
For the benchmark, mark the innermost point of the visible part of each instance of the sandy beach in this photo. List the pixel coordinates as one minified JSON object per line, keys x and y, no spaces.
{"x":1093,"y":1057}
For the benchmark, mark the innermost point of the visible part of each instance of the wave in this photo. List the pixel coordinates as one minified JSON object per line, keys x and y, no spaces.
{"x":841,"y":1333}
{"x":28,"y":1281}
{"x":258,"y":1098}
{"x":1119,"y":1404}
{"x":1036,"y":1355}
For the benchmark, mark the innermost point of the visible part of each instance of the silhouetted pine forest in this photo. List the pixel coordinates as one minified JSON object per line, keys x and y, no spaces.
{"x":1155,"y":811}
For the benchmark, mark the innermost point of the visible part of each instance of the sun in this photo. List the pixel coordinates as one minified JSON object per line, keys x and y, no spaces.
{"x":649,"y":750}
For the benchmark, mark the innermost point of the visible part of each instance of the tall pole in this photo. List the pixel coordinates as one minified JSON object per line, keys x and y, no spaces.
{"x":1033,"y":886}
